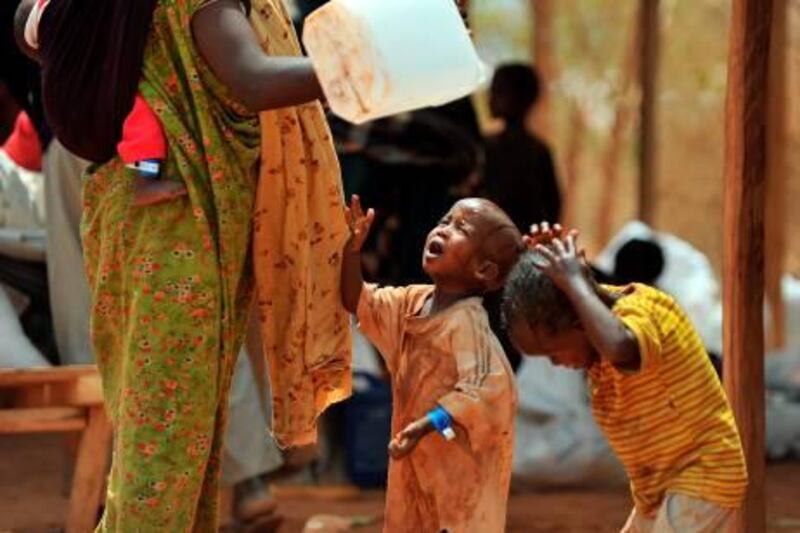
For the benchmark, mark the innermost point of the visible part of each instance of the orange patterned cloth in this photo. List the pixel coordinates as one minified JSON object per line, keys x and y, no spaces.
{"x":299,"y":234}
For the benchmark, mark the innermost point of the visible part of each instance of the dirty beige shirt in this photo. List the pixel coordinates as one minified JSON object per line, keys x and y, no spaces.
{"x":452,"y":359}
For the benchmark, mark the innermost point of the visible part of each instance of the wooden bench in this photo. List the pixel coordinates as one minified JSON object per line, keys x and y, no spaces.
{"x":60,"y":400}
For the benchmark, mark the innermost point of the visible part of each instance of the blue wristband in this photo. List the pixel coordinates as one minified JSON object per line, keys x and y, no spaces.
{"x":442,"y":422}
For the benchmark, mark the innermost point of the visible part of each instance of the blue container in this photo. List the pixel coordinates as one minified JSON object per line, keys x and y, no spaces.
{"x":368,"y":420}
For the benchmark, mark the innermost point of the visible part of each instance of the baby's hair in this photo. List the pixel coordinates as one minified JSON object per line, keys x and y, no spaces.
{"x":532,"y":296}
{"x":503,"y":244}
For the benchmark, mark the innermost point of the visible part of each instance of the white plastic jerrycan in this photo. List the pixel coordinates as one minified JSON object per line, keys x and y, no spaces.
{"x":376,"y":58}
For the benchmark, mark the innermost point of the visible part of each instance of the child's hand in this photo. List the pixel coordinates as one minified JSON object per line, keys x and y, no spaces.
{"x":563,"y":263}
{"x":359,"y":223}
{"x":405,"y":441}
{"x":544,"y":233}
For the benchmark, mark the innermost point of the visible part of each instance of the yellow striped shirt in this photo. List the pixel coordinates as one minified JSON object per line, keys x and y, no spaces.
{"x":670,"y":422}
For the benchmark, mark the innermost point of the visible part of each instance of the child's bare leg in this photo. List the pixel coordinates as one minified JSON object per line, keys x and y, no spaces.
{"x":149,"y":191}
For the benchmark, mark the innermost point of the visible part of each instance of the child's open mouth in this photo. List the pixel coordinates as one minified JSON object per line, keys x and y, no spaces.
{"x":435,"y":248}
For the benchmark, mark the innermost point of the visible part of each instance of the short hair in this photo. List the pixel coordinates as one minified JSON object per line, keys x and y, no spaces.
{"x":503,"y":245}
{"x":639,"y":261}
{"x":519,"y":86}
{"x":530,"y":295}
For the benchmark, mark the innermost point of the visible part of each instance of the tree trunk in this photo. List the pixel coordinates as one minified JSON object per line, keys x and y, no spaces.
{"x":777,"y":174}
{"x":544,"y":60}
{"x":622,"y":120}
{"x":743,"y":268}
{"x":577,"y":130}
{"x":648,"y":72}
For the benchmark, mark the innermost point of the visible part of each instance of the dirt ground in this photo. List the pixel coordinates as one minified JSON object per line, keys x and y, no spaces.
{"x":32,"y":501}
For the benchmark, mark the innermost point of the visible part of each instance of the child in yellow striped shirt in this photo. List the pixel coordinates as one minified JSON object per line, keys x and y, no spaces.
{"x":654,"y":392}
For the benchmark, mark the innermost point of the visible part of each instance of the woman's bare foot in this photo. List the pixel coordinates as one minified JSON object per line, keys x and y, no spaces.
{"x":263,"y":524}
{"x":154,"y":191}
{"x":253,"y":501}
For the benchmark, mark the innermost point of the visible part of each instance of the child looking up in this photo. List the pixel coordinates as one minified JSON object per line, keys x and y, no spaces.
{"x":654,"y":392}
{"x":449,"y":373}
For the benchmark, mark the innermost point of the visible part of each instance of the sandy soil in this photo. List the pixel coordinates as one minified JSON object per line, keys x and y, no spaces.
{"x":32,"y":500}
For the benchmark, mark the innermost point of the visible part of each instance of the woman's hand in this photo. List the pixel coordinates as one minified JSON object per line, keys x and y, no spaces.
{"x":463,"y":10}
{"x":359,"y":222}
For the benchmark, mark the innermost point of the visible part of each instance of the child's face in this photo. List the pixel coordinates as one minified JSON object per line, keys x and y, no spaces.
{"x":452,"y":247}
{"x":569,"y":348}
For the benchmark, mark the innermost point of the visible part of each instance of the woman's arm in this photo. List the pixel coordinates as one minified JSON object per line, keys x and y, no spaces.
{"x":227,"y":42}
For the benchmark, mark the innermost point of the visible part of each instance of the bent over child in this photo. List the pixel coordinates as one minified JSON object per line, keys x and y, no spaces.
{"x":654,"y":392}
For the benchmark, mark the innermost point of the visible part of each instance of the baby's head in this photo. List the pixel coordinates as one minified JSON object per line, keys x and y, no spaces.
{"x":473,"y":248}
{"x":639,"y":261}
{"x":540,"y":318}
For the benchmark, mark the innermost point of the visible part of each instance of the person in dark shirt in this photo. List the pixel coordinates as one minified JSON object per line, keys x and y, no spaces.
{"x":519,"y":175}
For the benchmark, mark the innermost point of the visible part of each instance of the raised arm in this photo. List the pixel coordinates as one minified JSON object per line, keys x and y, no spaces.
{"x":609,"y":336}
{"x":228,"y":43}
{"x":352,"y":278}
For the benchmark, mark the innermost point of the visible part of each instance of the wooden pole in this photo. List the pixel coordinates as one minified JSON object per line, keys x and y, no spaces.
{"x":743,"y":268}
{"x":90,"y":473}
{"x":648,"y":72}
{"x":572,"y":163}
{"x":624,"y":113}
{"x":543,"y":59}
{"x":777,"y":175}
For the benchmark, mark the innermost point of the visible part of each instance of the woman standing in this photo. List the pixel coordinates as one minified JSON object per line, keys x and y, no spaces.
{"x":171,"y":283}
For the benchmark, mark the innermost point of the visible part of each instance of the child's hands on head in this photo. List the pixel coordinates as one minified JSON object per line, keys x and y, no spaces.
{"x":564,"y":263}
{"x":544,"y":233}
{"x":359,"y":223}
{"x":405,"y":441}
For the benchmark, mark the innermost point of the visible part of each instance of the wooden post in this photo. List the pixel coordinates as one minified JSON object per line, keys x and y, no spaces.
{"x":777,"y":174}
{"x":543,"y":59}
{"x":90,"y":468}
{"x":745,"y":176}
{"x":623,"y":115}
{"x":648,"y":72}
{"x":572,"y":160}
